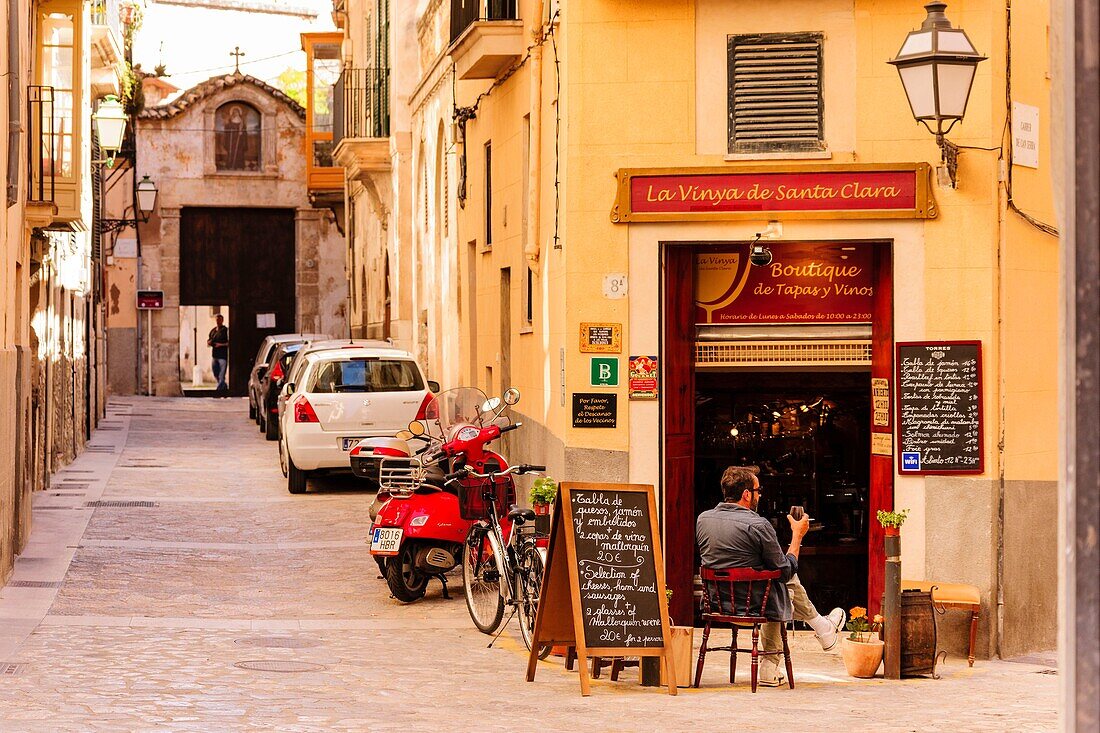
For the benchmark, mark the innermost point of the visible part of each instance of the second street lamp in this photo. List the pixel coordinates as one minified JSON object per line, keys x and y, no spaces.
{"x":937,"y":64}
{"x":145,"y":200}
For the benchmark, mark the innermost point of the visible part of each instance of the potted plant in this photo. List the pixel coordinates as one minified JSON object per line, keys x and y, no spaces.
{"x":543,"y":492}
{"x":861,"y":649}
{"x":892,"y":521}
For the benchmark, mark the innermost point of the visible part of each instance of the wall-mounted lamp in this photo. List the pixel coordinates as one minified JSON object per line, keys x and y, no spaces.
{"x":145,"y":196}
{"x":110,"y":127}
{"x":937,"y":65}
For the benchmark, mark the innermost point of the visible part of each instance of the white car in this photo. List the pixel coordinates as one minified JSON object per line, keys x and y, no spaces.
{"x":340,"y":396}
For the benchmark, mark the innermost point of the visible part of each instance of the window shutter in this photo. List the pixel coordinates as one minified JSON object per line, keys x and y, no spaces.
{"x":775,"y":100}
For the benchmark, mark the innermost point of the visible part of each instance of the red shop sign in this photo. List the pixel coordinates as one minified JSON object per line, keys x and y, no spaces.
{"x":898,"y":191}
{"x":805,"y":283}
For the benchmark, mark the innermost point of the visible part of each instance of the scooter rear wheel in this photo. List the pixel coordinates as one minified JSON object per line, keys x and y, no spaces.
{"x":481,"y":580}
{"x":407,"y":582}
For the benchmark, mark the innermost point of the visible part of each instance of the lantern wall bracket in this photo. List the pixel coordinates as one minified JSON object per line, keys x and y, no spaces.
{"x":106,"y":226}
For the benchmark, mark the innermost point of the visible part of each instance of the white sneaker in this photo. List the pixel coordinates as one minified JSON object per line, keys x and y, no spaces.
{"x":768,"y":674}
{"x":830,"y":638}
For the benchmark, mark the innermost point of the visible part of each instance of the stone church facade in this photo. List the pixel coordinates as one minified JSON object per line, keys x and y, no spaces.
{"x":228,"y":160}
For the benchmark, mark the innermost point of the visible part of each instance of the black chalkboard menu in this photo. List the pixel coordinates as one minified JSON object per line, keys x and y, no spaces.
{"x":616,"y":570}
{"x":603,"y":588}
{"x":939,"y":393}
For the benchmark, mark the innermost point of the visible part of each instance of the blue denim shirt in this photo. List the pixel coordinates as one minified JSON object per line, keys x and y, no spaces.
{"x":731,"y":536}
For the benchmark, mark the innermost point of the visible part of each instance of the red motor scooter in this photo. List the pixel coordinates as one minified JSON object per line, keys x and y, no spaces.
{"x":422,"y":523}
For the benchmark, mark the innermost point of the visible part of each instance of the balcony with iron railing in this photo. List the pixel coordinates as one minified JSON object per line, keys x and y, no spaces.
{"x":361,"y":121}
{"x":107,"y":42}
{"x":486,"y":37}
{"x":42,"y":140}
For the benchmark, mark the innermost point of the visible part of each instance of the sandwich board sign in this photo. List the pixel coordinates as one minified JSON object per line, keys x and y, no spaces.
{"x":603,"y":589}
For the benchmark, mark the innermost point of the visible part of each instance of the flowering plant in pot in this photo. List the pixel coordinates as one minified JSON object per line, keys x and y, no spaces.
{"x":543,"y":492}
{"x":892,"y":521}
{"x":861,"y":649}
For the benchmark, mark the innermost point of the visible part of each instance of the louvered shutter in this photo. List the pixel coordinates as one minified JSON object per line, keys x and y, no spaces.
{"x":775,"y":93}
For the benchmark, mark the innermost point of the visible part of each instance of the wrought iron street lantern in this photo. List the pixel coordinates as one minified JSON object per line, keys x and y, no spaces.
{"x":146,"y":193}
{"x":937,"y":64}
{"x":145,"y":199}
{"x":110,"y":125}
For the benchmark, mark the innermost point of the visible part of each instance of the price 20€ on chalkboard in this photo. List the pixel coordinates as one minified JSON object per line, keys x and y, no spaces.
{"x":618,"y":577}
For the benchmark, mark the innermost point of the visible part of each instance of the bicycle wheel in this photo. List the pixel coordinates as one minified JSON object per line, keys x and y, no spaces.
{"x":481,"y":579}
{"x":529,"y":580}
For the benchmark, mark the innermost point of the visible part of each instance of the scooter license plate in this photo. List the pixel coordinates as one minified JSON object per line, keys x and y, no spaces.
{"x":385,"y":540}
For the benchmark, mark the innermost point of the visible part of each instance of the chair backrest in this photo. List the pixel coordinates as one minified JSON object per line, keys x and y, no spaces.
{"x":714,"y":581}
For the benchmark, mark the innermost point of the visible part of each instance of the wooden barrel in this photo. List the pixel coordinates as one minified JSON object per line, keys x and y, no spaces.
{"x":918,"y":634}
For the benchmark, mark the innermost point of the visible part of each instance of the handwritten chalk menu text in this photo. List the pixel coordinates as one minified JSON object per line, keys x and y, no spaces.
{"x":613,"y":537}
{"x":939,"y":389}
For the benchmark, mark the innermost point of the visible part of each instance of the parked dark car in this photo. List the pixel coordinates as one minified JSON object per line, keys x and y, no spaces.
{"x":260,"y":365}
{"x":270,"y":385}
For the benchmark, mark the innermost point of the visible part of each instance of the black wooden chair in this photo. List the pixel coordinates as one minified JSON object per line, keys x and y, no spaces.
{"x":736,"y":585}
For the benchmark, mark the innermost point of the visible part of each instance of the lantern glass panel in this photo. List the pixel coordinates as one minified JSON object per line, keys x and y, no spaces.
{"x":919,"y":42}
{"x":110,"y":125}
{"x":917,"y":81}
{"x":954,"y":88}
{"x":146,"y":196}
{"x":954,"y":41}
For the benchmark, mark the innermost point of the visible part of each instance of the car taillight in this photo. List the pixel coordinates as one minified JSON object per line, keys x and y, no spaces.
{"x":277,"y":372}
{"x":303,"y":411}
{"x":421,"y":414}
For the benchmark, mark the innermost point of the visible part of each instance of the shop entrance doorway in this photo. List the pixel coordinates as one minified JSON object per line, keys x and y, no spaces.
{"x":809,"y":434}
{"x":773,"y":365}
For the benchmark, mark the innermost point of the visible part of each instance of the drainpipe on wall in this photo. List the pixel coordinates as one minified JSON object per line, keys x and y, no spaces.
{"x":534,"y":165}
{"x":15,"y":123}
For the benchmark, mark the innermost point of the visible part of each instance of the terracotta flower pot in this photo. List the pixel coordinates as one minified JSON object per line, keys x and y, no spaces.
{"x":893,"y":531}
{"x":861,"y":658}
{"x":541,"y":509}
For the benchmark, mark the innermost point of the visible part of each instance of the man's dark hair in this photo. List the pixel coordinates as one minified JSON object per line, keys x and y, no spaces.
{"x":736,"y":480}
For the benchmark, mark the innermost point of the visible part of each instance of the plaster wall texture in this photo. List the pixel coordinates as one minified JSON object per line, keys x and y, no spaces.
{"x":178,"y":153}
{"x":975,"y":272}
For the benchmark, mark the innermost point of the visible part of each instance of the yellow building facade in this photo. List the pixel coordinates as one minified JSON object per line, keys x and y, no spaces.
{"x":558,"y":106}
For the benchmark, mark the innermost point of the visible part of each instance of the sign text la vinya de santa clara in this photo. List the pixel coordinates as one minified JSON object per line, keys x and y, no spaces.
{"x":858,"y":191}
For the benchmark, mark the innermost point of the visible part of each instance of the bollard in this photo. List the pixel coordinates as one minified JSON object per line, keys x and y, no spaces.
{"x":891,"y":606}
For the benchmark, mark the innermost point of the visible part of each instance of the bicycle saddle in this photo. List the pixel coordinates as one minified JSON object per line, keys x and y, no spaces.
{"x":519,"y":515}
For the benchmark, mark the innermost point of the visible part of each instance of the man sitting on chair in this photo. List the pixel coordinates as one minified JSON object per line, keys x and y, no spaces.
{"x":733,"y":535}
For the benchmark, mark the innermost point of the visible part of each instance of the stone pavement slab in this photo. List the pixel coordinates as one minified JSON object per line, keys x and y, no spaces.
{"x":176,"y":616}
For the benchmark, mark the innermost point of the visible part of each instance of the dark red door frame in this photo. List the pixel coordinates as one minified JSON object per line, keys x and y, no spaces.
{"x":677,"y":352}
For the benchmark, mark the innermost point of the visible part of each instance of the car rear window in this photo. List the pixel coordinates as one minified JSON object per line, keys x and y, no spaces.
{"x":367,"y":375}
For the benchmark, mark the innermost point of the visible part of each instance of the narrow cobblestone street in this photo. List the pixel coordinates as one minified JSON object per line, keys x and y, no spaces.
{"x":169,"y":567}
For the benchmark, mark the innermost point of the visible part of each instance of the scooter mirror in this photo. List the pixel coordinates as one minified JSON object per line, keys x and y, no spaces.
{"x":417,"y":428}
{"x":490,"y":404}
{"x":404,"y":435}
{"x":511,"y":396}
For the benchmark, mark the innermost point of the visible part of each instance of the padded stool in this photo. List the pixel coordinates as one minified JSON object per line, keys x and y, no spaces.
{"x":952,"y":595}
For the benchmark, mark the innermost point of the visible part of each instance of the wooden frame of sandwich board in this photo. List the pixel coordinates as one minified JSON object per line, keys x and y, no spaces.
{"x":560,"y":617}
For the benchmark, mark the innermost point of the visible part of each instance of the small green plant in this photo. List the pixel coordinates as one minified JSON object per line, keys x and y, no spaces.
{"x":859,"y":628}
{"x":668,"y":593}
{"x":544,"y":490}
{"x":892,"y":519}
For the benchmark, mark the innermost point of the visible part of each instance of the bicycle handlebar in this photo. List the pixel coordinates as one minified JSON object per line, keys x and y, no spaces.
{"x":520,"y":468}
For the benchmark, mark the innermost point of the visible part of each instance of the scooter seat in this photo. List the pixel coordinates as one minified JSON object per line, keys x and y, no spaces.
{"x":520,"y":515}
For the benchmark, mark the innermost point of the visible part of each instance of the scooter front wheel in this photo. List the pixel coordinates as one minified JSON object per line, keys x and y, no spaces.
{"x":481,"y":579}
{"x":407,"y":582}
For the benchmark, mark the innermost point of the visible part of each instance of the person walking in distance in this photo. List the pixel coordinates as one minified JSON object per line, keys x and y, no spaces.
{"x":218,"y":341}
